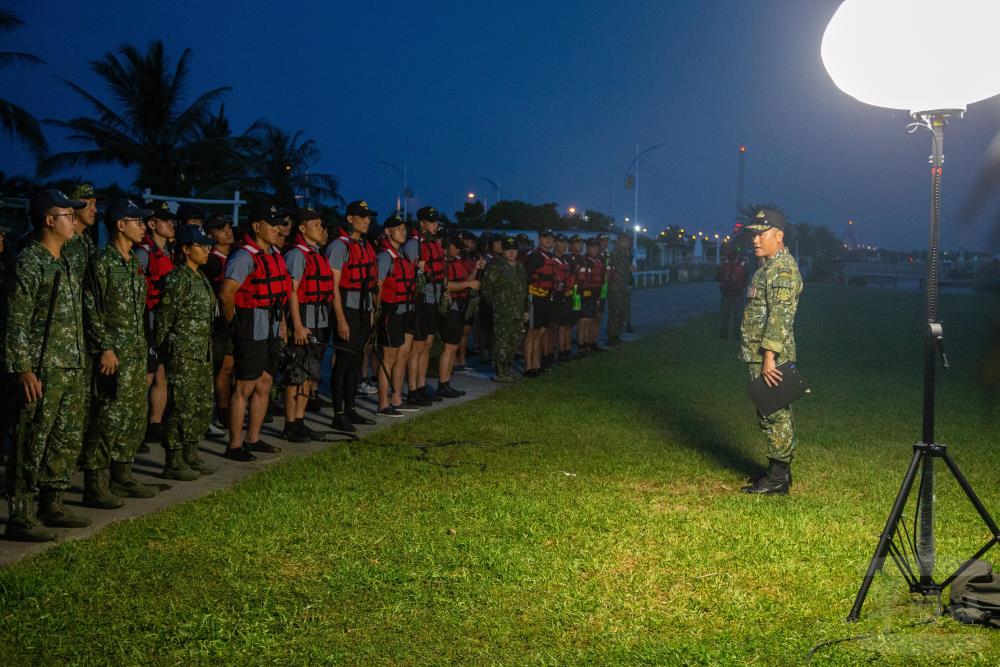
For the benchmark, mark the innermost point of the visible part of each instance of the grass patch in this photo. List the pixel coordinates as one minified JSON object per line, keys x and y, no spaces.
{"x":590,"y":516}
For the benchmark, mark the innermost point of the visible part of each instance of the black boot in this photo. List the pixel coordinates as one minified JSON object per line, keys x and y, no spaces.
{"x":776,"y":482}
{"x":95,"y":490}
{"x":342,"y":423}
{"x":124,"y":485}
{"x":23,"y":524}
{"x":54,"y":514}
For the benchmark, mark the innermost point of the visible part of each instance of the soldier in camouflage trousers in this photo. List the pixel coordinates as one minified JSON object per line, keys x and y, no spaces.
{"x":45,"y":351}
{"x":767,"y":340}
{"x":619,"y":285}
{"x":116,"y":310}
{"x":505,"y":284}
{"x":184,"y":331}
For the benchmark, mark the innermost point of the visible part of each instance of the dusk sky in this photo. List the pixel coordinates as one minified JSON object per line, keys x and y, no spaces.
{"x":547,"y":98}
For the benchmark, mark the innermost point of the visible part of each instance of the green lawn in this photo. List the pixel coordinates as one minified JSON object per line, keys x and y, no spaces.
{"x":587,"y":517}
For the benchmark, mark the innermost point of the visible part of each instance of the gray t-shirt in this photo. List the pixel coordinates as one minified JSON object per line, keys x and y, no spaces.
{"x":142,"y":256}
{"x":412,"y":251}
{"x":336,"y":254}
{"x":314,"y":315}
{"x":238,"y":267}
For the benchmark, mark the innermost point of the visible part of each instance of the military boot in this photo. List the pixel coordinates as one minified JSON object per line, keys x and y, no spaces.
{"x":125,"y":485}
{"x":95,"y":490}
{"x":23,"y":525}
{"x":177,"y":468}
{"x":194,"y":460}
{"x":54,"y":514}
{"x":776,"y":482}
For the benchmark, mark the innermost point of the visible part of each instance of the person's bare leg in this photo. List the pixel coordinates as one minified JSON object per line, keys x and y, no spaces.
{"x":413,"y":365}
{"x":258,"y":406}
{"x":401,"y":367}
{"x":390,"y":359}
{"x":302,"y":400}
{"x":425,"y":360}
{"x":238,"y":410}
{"x":446,"y":362}
{"x":158,"y":396}
{"x":224,"y":382}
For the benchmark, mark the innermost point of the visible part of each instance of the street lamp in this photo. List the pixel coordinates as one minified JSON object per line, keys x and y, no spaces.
{"x":632,"y":173}
{"x":869,"y":50}
{"x":407,"y":193}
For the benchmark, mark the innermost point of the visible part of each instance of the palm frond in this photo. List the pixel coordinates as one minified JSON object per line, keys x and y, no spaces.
{"x":8,"y":58}
{"x":22,"y":126}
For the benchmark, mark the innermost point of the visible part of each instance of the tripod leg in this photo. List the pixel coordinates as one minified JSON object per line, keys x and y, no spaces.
{"x":887,"y":534}
{"x":971,"y":494}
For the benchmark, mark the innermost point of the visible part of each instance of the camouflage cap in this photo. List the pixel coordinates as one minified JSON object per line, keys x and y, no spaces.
{"x":508,"y":243}
{"x":765,"y":219}
{"x":83,"y":191}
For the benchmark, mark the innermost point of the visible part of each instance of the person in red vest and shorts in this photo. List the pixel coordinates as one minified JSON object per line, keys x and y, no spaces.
{"x":397,"y":292}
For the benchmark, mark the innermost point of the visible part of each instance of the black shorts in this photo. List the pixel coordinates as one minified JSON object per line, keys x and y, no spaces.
{"x":359,"y":323}
{"x":588,"y":309}
{"x":567,"y":316}
{"x":252,"y":358}
{"x":153,"y":360}
{"x":393,"y":327}
{"x":222,"y":345}
{"x":425,"y":321}
{"x":317,"y":350}
{"x":452,"y":327}
{"x":541,"y":313}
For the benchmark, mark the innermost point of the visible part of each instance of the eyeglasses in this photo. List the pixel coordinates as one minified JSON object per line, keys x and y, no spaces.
{"x":139,"y":220}
{"x":60,"y":215}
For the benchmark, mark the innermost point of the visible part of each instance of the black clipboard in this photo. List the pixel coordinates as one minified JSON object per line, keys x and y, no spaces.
{"x":771,"y":399}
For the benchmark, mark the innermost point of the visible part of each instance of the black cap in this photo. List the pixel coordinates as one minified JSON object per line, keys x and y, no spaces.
{"x":562,"y":238}
{"x":124,"y":208}
{"x":508,"y":243}
{"x":360,"y":209}
{"x":575,"y":238}
{"x":546,"y":232}
{"x":269,"y":213}
{"x":215,"y":221}
{"x":594,"y":240}
{"x":159,"y":210}
{"x":305,"y":215}
{"x":765,"y":219}
{"x":190,"y":212}
{"x":428,"y":214}
{"x":193,"y":234}
{"x":495,"y":238}
{"x":47,"y":199}
{"x":394,"y":220}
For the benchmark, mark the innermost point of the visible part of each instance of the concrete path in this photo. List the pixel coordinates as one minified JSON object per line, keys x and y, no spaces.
{"x":652,"y":309}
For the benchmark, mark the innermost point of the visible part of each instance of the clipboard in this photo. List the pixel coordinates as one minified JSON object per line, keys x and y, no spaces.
{"x":769,"y":400}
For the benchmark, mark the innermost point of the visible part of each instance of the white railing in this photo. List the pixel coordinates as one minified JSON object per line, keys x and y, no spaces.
{"x":650,"y":278}
{"x":236,"y":202}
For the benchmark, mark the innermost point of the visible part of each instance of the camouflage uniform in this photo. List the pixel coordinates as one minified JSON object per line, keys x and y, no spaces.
{"x":619,"y":284}
{"x":506,"y":287}
{"x":184,"y":331}
{"x":118,"y":424}
{"x":50,"y":430}
{"x":82,"y":255}
{"x":768,"y":322}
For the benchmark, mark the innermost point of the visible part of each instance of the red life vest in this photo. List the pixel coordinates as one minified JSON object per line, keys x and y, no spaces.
{"x":591,"y":273}
{"x":434,"y":261}
{"x":568,"y":275}
{"x":157,"y":269}
{"x":457,"y":273}
{"x":269,"y":285}
{"x":359,"y":271}
{"x":399,"y":284}
{"x":544,"y":277}
{"x":316,"y":284}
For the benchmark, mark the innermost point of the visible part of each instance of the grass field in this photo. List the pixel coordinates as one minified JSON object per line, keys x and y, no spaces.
{"x":587,"y":517}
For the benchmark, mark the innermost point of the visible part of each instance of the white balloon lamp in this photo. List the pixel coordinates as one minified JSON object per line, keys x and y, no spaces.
{"x":932,"y":58}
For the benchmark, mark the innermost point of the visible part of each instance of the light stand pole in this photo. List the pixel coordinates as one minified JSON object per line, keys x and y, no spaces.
{"x":922,"y":550}
{"x":406,"y":194}
{"x":632,"y":175}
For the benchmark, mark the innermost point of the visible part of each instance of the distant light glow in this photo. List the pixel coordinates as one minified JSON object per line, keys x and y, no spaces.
{"x":471,"y":195}
{"x":637,"y":228}
{"x":917,"y":55}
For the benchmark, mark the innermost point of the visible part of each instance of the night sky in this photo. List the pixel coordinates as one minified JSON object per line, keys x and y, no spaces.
{"x":547,"y":98}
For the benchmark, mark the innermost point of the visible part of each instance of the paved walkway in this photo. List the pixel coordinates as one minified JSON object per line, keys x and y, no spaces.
{"x":652,"y":309}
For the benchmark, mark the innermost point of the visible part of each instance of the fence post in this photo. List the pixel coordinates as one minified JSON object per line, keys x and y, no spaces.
{"x":236,"y":209}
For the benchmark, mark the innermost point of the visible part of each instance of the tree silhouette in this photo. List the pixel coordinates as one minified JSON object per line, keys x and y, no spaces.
{"x":278,"y":165}
{"x":17,"y":123}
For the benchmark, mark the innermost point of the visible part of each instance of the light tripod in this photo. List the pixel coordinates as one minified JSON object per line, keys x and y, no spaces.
{"x":916,"y":559}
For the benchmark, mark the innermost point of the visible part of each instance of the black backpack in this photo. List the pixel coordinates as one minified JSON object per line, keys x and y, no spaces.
{"x":975,"y":596}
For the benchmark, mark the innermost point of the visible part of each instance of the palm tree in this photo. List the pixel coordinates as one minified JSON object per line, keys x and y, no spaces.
{"x":16,"y":122}
{"x":146,"y":126}
{"x":217,"y":164}
{"x":279,"y":166}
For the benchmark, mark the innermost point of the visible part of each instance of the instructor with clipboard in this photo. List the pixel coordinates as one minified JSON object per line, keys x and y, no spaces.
{"x":767,"y":340}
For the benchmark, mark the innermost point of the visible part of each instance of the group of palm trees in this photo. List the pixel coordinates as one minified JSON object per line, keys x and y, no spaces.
{"x":174,"y":146}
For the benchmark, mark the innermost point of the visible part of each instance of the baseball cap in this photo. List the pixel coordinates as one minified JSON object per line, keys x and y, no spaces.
{"x":193,"y":234}
{"x":268,"y":213}
{"x":120,"y":209}
{"x":765,"y":219}
{"x":594,"y":240}
{"x":83,"y":191}
{"x":428,"y":214}
{"x":562,"y":238}
{"x":190,"y":212}
{"x":47,"y":199}
{"x":545,"y":232}
{"x":508,"y":243}
{"x":305,"y":215}
{"x":360,"y":208}
{"x":215,"y":221}
{"x":159,"y":210}
{"x":394,"y":220}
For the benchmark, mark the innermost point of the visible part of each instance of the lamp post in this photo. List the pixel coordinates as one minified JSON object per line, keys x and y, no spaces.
{"x":868,"y":50}
{"x":498,"y":191}
{"x":406,"y":194}
{"x":632,"y":173}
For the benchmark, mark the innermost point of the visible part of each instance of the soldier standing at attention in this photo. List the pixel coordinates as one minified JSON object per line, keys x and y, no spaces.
{"x":184,"y":332}
{"x":355,"y":275}
{"x":45,"y":352}
{"x":397,"y":292}
{"x":309,"y":311}
{"x":425,"y":251}
{"x":221,"y":233}
{"x":154,"y":257}
{"x":768,"y":340}
{"x":540,"y":264}
{"x":619,"y":284}
{"x":115,"y":314}
{"x":505,"y":284}
{"x":253,"y":297}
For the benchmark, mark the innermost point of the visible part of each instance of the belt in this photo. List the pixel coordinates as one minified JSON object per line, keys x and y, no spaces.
{"x":537,"y":291}
{"x":587,"y":292}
